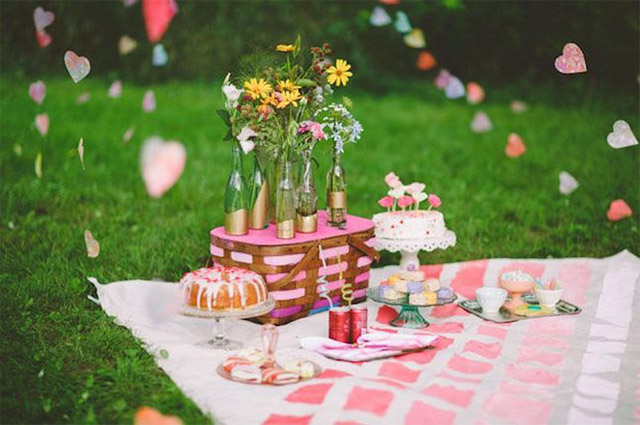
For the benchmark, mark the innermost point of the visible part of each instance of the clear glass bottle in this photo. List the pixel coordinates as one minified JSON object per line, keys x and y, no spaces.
{"x":236,"y":217}
{"x":307,"y":198}
{"x":285,"y":200}
{"x":258,"y":197}
{"x":336,"y":194}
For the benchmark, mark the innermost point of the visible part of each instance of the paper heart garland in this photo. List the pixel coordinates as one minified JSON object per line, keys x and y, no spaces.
{"x":162,"y":164}
{"x":402,"y":24}
{"x":415,"y":39}
{"x":442,"y":79}
{"x":128,"y":134}
{"x":622,"y":136}
{"x":38,"y":91}
{"x":454,"y":88}
{"x":515,"y":146}
{"x":77,"y":66}
{"x":518,"y":106}
{"x":618,"y":210}
{"x":42,"y":18}
{"x":379,"y":17}
{"x":157,"y":17}
{"x":42,"y":123}
{"x":37,"y":166}
{"x":42,"y":38}
{"x":83,"y":98}
{"x":126,"y":45}
{"x":425,"y":61}
{"x":571,"y":61}
{"x":568,"y":183}
{"x":93,"y":247}
{"x":481,"y":123}
{"x":475,"y":93}
{"x":115,"y":90}
{"x":160,"y":57}
{"x":81,"y":151}
{"x":149,"y":101}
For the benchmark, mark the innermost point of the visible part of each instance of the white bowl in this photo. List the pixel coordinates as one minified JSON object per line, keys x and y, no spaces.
{"x":548,"y":297}
{"x":491,"y":299}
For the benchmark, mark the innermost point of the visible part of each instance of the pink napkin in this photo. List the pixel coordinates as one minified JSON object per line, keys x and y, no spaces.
{"x":370,"y":346}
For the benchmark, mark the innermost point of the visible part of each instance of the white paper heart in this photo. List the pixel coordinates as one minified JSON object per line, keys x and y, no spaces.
{"x":128,"y":134}
{"x":38,"y":91}
{"x":129,"y":3}
{"x":77,"y":66}
{"x":454,"y":88}
{"x":42,"y":123}
{"x":93,"y":247}
{"x":126,"y":45}
{"x":81,"y":151}
{"x":115,"y":90}
{"x":149,"y":101}
{"x":402,"y":23}
{"x":568,"y":183}
{"x":622,"y":136}
{"x":481,"y":123}
{"x":160,"y":57}
{"x":42,"y":18}
{"x":162,"y":164}
{"x":379,"y":17}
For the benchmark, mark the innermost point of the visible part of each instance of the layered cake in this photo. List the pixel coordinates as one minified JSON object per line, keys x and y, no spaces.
{"x":404,"y":219}
{"x":223,"y":288}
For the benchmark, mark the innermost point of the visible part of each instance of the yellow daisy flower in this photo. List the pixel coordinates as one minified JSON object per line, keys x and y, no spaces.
{"x":257,"y":88}
{"x":287,"y":85}
{"x":339,"y":74}
{"x":267,"y":101}
{"x":289,"y":98}
{"x":285,"y":48}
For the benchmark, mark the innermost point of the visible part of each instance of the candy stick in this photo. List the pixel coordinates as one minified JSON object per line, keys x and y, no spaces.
{"x":347,"y":292}
{"x":323,"y":283}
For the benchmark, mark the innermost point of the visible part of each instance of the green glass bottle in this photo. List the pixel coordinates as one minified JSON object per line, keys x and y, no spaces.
{"x":236,"y":217}
{"x":336,"y":194}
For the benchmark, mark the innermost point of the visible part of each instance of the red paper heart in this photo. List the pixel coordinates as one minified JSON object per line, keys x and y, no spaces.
{"x":425,"y":61}
{"x":157,"y":17}
{"x":515,"y":146}
{"x":43,"y":38}
{"x":618,"y":210}
{"x":386,"y":314}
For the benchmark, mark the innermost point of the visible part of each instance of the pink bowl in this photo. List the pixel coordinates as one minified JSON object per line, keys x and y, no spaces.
{"x":516,"y":286}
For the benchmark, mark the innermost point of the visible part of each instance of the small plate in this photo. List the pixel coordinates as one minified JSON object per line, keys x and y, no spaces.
{"x":226,"y":375}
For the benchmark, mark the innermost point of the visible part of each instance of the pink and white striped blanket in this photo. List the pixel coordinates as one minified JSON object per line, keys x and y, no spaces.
{"x":582,"y":369}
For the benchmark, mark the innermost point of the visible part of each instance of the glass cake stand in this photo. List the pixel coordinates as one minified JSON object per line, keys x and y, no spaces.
{"x":409,"y":316}
{"x":220,"y":340}
{"x":409,"y":248}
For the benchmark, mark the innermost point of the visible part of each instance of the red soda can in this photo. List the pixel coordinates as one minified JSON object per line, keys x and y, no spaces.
{"x":340,"y":324}
{"x":358,"y":321}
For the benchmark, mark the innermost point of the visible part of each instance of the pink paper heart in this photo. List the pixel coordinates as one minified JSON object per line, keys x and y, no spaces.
{"x":77,"y":66}
{"x":149,"y":101}
{"x":115,"y":90}
{"x":43,"y":38}
{"x":442,"y":79}
{"x":618,"y":210}
{"x":42,"y":18}
{"x":42,"y":124}
{"x":38,"y":91}
{"x":128,"y":134}
{"x":83,"y":98}
{"x":572,"y":60}
{"x":157,"y":17}
{"x":162,"y":164}
{"x":481,"y":123}
{"x":515,"y":146}
{"x":518,"y":106}
{"x":475,"y":93}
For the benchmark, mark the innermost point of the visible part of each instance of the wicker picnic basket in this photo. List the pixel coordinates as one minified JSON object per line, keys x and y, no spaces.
{"x":291,"y":269}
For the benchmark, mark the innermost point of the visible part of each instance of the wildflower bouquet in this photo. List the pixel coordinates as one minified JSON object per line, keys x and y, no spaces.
{"x":282,"y":110}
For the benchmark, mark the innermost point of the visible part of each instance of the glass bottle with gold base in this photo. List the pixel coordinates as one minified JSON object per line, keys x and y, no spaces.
{"x":336,"y":194}
{"x":258,"y":197}
{"x":285,"y":201}
{"x":236,"y":213}
{"x":307,"y":198}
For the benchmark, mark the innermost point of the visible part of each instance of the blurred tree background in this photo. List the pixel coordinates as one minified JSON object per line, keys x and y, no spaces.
{"x":489,"y":42}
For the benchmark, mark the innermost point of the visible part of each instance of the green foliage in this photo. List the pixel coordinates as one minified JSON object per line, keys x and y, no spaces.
{"x":65,"y":361}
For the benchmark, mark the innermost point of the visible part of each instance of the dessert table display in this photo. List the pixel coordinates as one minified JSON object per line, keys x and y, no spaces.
{"x":564,"y":369}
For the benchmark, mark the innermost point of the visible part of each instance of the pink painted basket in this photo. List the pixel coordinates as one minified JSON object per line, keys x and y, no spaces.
{"x":291,"y":267}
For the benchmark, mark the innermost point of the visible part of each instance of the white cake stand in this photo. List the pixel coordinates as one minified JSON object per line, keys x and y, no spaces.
{"x":220,"y":340}
{"x":409,"y":248}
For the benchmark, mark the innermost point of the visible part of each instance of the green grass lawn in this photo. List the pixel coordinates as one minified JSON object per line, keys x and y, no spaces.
{"x":63,"y":360}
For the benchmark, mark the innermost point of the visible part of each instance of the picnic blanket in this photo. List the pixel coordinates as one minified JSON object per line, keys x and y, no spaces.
{"x":582,"y":369}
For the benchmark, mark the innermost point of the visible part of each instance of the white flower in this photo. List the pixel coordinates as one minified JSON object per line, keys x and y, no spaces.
{"x":231,"y":92}
{"x":245,"y":134}
{"x":397,"y":192}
